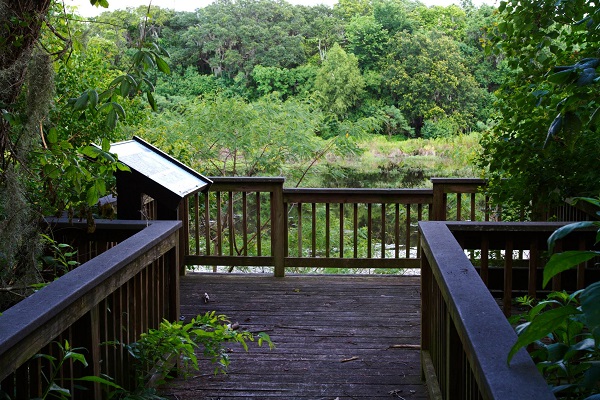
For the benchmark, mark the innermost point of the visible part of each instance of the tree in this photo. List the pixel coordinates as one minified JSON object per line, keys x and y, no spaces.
{"x":428,"y":80}
{"x":35,"y":157}
{"x":339,"y":84}
{"x":367,"y":40}
{"x":544,"y":147}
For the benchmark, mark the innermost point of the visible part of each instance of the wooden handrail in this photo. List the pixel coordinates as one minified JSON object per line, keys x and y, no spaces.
{"x":95,"y":303}
{"x":465,"y":337}
{"x":237,"y":221}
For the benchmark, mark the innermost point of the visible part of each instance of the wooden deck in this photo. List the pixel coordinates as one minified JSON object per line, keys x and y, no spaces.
{"x":337,"y":337}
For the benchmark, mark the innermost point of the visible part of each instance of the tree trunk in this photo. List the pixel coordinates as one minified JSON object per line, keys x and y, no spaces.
{"x":20,"y":26}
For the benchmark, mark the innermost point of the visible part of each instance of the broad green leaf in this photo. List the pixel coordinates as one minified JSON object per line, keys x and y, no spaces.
{"x":151,"y":100}
{"x":93,"y":95}
{"x":55,"y":388}
{"x":541,"y":326}
{"x":117,"y":81}
{"x":105,"y":144}
{"x":111,"y":119}
{"x":119,"y":109}
{"x":560,"y":262}
{"x":100,"y":380}
{"x":590,"y":305}
{"x":92,"y":196}
{"x":52,"y":136}
{"x":124,"y":88}
{"x":76,"y":357}
{"x":122,"y":167}
{"x":595,"y":117}
{"x":561,"y":77}
{"x":564,"y":231}
{"x":81,"y":102}
{"x":90,"y":151}
{"x":162,"y":65}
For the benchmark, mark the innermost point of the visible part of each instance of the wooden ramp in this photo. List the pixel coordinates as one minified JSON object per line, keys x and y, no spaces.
{"x":337,"y":337}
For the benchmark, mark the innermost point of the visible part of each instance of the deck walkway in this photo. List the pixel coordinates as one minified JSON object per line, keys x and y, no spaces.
{"x":337,"y":337}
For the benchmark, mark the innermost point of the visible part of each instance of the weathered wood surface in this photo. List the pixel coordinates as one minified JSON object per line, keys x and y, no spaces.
{"x":337,"y":337}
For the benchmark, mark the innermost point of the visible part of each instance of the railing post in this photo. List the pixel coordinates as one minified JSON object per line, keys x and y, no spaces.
{"x":278,"y":230}
{"x":439,"y":202}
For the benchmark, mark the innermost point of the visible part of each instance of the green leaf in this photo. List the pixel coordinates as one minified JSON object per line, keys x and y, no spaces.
{"x":541,"y":326}
{"x":111,"y":119}
{"x":92,"y":196}
{"x":76,"y":357}
{"x":122,"y":167}
{"x":117,"y":81}
{"x":52,"y":136}
{"x":151,"y":100}
{"x":81,"y":102}
{"x":55,"y":388}
{"x":90,"y":151}
{"x":560,"y":262}
{"x":100,"y":380}
{"x":124,"y":88}
{"x":119,"y":110}
{"x":105,"y":144}
{"x":564,"y":231}
{"x":561,"y":77}
{"x":162,"y":65}
{"x":93,"y":96}
{"x":590,"y":305}
{"x":595,"y":117}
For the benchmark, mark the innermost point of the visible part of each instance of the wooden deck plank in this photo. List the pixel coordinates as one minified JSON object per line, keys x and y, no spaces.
{"x":317,"y":322}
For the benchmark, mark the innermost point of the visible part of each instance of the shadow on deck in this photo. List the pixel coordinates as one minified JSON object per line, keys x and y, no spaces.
{"x":337,"y":337}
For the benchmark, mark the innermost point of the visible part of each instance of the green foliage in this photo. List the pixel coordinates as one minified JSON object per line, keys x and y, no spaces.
{"x":171,"y":348}
{"x":541,"y":150}
{"x":367,"y":40}
{"x":428,"y":79}
{"x":564,"y":350}
{"x":567,"y":336}
{"x":61,"y":258}
{"x":339,"y":84}
{"x":229,"y":136}
{"x":66,"y":354}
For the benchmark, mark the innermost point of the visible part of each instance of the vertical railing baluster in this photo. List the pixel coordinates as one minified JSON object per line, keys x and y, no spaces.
{"x":258,"y":226}
{"x":369,"y":229}
{"x":534,"y":259}
{"x":508,"y":277}
{"x":299,"y":229}
{"x":230,"y":222}
{"x":245,"y":222}
{"x":473,"y":207}
{"x":314,"y":229}
{"x":207,"y":224}
{"x":407,"y":231}
{"x":458,"y":206}
{"x":419,"y":218}
{"x":197,"y":222}
{"x":327,"y":228}
{"x":219,"y":233}
{"x":341,"y":230}
{"x":485,"y":258}
{"x":397,"y":230}
{"x":355,"y":228}
{"x":383,"y":230}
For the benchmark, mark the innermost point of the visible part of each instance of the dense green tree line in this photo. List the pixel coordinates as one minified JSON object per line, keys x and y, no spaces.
{"x":350,"y":61}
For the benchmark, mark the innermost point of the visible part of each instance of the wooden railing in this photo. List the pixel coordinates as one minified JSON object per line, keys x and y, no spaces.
{"x":258,"y":222}
{"x":124,"y":290}
{"x":465,"y":334}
